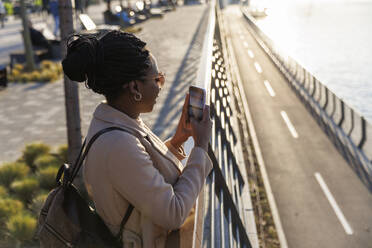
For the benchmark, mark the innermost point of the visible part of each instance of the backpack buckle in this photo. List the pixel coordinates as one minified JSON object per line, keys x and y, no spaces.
{"x":65,"y":171}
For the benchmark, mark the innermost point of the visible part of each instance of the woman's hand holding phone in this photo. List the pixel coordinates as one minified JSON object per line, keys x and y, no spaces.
{"x":202,"y":130}
{"x":183,"y":131}
{"x":189,"y":126}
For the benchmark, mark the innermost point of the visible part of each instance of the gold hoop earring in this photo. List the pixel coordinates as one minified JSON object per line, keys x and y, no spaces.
{"x":138,"y":97}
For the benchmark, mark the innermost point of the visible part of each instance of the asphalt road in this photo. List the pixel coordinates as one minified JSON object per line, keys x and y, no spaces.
{"x":321,"y":201}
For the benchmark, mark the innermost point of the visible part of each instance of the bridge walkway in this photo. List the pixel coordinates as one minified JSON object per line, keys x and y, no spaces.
{"x":302,"y":163}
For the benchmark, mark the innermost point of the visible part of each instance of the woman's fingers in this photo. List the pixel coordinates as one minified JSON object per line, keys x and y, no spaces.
{"x":185,"y":108}
{"x":206,"y":113}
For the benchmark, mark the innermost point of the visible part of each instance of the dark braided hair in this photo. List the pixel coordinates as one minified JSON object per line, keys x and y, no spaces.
{"x":106,"y":61}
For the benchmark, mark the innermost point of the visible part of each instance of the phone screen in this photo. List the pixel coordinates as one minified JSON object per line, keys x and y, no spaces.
{"x":196,"y":102}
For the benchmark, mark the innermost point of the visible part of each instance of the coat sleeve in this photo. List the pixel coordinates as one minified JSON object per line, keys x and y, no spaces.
{"x":133,"y":175}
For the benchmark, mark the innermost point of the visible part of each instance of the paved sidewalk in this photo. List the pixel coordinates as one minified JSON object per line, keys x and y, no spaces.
{"x":35,"y":112}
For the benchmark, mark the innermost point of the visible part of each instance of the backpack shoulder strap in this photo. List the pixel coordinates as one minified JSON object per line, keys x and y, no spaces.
{"x":119,"y":236}
{"x":79,"y":161}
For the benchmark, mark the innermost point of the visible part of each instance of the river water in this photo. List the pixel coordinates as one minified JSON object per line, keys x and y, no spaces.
{"x":332,"y":39}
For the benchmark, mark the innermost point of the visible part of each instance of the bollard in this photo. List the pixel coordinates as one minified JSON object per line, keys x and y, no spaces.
{"x":3,"y":77}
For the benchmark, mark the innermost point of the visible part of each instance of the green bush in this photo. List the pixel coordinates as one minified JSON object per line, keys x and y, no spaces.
{"x":37,"y":203}
{"x":22,"y":227}
{"x":47,"y":160}
{"x":9,"y":207}
{"x":11,"y":171}
{"x":25,"y":189}
{"x":3,"y":192}
{"x":47,"y":177}
{"x":63,"y":153}
{"x":33,"y":151}
{"x":48,"y":71}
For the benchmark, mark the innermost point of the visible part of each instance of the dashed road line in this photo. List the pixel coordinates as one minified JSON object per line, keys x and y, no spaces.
{"x":250,"y":53}
{"x":242,"y":37}
{"x":258,"y":67}
{"x":269,"y":88}
{"x":332,"y":201}
{"x":245,"y":44}
{"x":289,"y":124}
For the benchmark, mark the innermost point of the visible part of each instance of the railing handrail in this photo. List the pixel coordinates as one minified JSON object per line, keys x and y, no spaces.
{"x":203,"y":81}
{"x":220,"y":216}
{"x":203,"y":77}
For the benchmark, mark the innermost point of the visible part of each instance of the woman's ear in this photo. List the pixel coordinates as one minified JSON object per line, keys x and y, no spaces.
{"x":133,"y":87}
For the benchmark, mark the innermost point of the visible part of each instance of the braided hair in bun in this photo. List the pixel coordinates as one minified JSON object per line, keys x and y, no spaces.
{"x":106,"y":61}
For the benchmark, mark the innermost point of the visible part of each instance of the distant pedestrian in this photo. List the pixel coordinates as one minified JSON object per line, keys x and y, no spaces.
{"x":2,"y":13}
{"x":53,"y":8}
{"x":45,"y":6}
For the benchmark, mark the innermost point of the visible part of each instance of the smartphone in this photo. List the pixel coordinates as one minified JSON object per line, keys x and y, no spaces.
{"x":196,"y":102}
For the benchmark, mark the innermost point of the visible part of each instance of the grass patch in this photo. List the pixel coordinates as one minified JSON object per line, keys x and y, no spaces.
{"x":12,"y":171}
{"x":24,"y":187}
{"x":22,"y":227}
{"x":32,"y":152}
{"x":48,"y":71}
{"x":47,"y":177}
{"x":47,"y":160}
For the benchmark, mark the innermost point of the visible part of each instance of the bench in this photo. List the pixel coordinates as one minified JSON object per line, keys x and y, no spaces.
{"x":89,"y":25}
{"x":40,"y":53}
{"x":53,"y":41}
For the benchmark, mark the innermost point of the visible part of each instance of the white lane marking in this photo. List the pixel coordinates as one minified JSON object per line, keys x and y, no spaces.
{"x":289,"y":124}
{"x":270,"y":195}
{"x":245,"y":44}
{"x":250,"y":53}
{"x":269,"y":88}
{"x":242,"y":37}
{"x":334,"y":205}
{"x":258,"y":67}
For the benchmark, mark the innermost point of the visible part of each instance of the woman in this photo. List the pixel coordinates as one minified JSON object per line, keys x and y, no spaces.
{"x":2,"y":13}
{"x":138,"y":169}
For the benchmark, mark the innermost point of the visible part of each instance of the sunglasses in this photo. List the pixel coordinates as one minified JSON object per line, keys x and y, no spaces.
{"x":160,"y":79}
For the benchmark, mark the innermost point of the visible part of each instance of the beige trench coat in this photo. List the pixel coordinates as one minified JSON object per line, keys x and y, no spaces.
{"x":121,"y":169}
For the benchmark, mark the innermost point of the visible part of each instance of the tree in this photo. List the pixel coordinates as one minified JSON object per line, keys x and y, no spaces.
{"x":108,"y":5}
{"x":30,"y":63}
{"x":71,"y":88}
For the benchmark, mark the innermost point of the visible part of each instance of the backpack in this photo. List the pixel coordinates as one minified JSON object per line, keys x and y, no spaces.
{"x":68,"y":220}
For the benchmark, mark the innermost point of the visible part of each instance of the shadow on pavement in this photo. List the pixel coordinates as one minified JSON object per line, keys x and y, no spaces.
{"x":34,"y":86}
{"x":186,"y":76}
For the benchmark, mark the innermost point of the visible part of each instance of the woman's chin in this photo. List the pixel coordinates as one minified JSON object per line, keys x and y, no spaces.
{"x":151,"y":107}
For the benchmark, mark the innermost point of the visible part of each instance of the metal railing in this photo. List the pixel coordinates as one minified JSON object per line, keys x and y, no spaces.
{"x":347,"y":129}
{"x":222,"y":218}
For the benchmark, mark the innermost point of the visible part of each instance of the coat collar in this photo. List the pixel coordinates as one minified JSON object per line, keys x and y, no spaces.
{"x":106,"y":113}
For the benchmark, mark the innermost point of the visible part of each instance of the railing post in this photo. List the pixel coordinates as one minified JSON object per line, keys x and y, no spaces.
{"x":314,"y":87}
{"x":342,"y":113}
{"x":303,"y":76}
{"x":334,"y":106}
{"x":352,"y":123}
{"x":326,"y":100}
{"x":364,"y":134}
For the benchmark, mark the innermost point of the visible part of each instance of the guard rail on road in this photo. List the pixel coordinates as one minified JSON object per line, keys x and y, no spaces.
{"x":224,"y":216}
{"x":346,"y":128}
